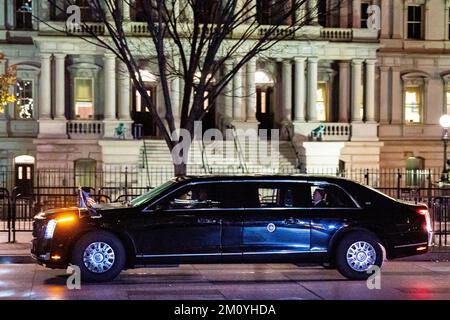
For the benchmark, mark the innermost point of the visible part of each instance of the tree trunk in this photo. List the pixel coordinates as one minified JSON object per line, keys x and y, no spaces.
{"x":180,"y":169}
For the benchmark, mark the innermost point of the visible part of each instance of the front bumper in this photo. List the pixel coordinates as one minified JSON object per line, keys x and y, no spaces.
{"x":41,"y":252}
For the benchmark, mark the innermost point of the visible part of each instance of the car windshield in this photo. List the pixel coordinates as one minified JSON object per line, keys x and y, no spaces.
{"x":151,"y":194}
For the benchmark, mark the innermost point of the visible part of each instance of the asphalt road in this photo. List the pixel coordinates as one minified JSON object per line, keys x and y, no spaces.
{"x":399,"y":280}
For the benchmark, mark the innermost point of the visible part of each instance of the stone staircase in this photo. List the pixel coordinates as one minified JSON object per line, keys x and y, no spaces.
{"x":222,"y":156}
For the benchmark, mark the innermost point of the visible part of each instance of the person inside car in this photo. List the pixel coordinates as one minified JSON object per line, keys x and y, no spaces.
{"x":319,"y":198}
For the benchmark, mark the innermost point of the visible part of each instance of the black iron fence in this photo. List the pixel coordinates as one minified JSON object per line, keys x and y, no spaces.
{"x":56,"y":188}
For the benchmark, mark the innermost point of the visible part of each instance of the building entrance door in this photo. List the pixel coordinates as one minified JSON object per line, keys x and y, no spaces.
{"x":264,"y":112}
{"x":24,"y":174}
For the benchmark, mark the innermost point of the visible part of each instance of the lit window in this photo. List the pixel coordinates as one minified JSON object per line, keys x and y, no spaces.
{"x":85,"y":172}
{"x":321,"y":102}
{"x":262,"y":77}
{"x":84,"y":100}
{"x":415,"y":22}
{"x":413,"y":105}
{"x":24,"y":99}
{"x":448,"y":101}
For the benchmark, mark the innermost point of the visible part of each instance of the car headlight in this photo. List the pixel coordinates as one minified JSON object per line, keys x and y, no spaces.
{"x":50,"y":229}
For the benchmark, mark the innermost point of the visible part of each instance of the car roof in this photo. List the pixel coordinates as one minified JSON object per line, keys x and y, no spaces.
{"x":257,"y":177}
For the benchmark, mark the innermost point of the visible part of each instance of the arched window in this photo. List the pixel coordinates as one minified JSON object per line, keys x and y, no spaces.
{"x":264,"y":95}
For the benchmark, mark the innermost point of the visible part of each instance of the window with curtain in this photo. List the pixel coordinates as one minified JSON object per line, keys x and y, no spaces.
{"x":322,"y":101}
{"x":84,"y":98}
{"x":24,"y":99}
{"x":413,"y":104}
{"x":85,"y":172}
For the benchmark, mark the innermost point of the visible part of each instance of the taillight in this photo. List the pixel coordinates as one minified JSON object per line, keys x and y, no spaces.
{"x":425,"y":213}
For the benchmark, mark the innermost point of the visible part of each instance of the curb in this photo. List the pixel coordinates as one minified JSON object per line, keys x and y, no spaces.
{"x":16,"y":259}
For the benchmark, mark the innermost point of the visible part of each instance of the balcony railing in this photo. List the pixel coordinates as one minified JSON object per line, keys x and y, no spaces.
{"x":337,"y":34}
{"x":77,"y":29}
{"x":336,"y":132}
{"x":85,"y":129}
{"x":286,"y":32}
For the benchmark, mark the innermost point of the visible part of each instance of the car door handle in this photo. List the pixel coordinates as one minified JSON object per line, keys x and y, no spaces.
{"x":295,"y":221}
{"x":290,"y":221}
{"x":207,"y":221}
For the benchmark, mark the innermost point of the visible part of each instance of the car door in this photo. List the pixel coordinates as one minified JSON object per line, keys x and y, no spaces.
{"x":277,"y":223}
{"x":183,"y":226}
{"x":334,"y":211}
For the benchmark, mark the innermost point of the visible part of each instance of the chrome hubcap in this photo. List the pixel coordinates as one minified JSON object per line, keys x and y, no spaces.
{"x":361,"y":256}
{"x":99,"y":257}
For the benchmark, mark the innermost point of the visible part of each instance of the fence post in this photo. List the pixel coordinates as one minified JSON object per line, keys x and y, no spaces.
{"x":430,"y":185}
{"x":126,"y":180}
{"x":399,"y":181}
{"x":366,"y":176}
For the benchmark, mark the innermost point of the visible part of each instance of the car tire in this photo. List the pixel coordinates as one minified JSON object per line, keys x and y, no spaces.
{"x":100,"y":255}
{"x":356,"y":253}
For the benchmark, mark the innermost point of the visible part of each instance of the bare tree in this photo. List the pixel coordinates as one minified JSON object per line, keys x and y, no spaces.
{"x":192,"y":40}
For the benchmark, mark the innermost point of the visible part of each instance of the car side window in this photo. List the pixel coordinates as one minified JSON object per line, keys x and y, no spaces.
{"x":281,"y":195}
{"x":329,"y":196}
{"x":206,"y":196}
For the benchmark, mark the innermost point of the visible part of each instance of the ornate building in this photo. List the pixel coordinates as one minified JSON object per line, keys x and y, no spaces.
{"x":377,"y":93}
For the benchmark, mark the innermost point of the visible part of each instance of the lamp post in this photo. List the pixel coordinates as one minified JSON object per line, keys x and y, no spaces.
{"x":444,"y":121}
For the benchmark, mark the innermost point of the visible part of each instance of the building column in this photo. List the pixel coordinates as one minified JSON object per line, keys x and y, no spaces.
{"x":356,"y":14}
{"x":370,"y":90}
{"x":126,"y":10}
{"x":344,"y":14}
{"x":2,"y":16}
{"x":251,"y":90}
{"x":124,"y":92}
{"x":356,"y":90}
{"x":287,"y":90}
{"x":301,"y":14}
{"x":384,"y":95}
{"x":312,"y":88}
{"x":344,"y":91}
{"x":45,"y":87}
{"x":299,"y":92}
{"x":228,"y":92}
{"x":175,"y":92}
{"x":385,"y":18}
{"x":397,"y":97}
{"x":110,"y":86}
{"x":238,"y":110}
{"x":313,"y":11}
{"x":397,"y":18}
{"x":60,"y":86}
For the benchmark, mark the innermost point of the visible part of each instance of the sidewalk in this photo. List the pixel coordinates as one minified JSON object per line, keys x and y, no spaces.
{"x":20,"y":251}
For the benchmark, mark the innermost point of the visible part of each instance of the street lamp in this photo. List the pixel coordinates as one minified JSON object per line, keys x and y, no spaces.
{"x":444,"y":121}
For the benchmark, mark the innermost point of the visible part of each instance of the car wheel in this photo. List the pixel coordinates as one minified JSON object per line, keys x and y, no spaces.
{"x":100,"y":256}
{"x":357,"y":253}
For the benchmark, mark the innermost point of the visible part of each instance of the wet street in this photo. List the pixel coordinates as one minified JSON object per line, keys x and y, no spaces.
{"x":399,"y":280}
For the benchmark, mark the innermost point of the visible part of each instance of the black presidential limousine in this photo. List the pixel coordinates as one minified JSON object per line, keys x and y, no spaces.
{"x":236,"y":219}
